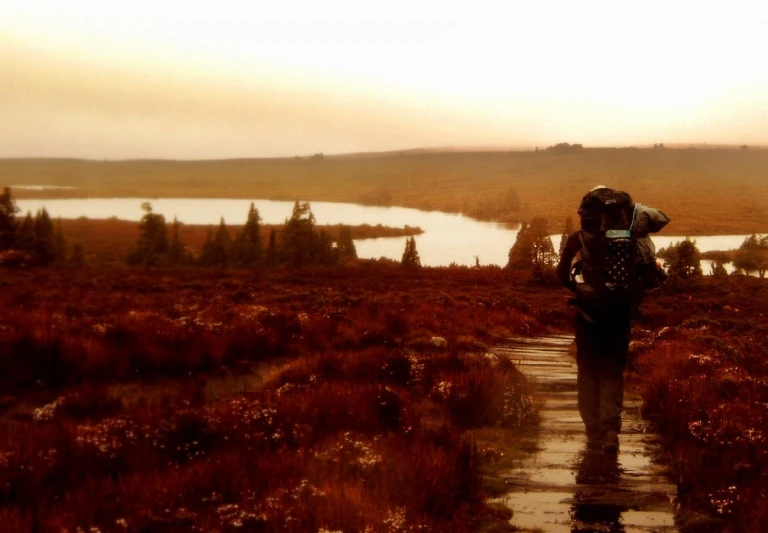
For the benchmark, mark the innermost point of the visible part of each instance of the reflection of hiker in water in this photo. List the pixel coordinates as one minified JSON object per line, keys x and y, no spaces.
{"x":607,"y":264}
{"x":597,"y":479}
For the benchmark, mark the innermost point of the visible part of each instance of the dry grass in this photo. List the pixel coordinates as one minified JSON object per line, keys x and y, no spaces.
{"x":703,"y":191}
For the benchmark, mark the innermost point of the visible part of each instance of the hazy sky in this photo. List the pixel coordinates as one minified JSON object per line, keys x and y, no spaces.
{"x":108,"y":79}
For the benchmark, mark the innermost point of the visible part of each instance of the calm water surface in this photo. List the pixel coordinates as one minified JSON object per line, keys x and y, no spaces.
{"x":447,"y":238}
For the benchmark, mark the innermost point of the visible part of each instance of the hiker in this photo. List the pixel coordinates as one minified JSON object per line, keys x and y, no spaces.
{"x":608,"y":264}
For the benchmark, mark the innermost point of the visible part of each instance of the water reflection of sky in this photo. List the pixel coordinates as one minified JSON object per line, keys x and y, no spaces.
{"x":42,"y":187}
{"x":597,"y":475}
{"x":447,"y":238}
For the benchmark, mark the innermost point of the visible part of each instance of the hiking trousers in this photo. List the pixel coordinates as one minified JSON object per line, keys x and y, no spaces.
{"x":601,"y":356}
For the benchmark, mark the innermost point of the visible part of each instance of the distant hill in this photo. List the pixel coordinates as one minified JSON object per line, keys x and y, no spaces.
{"x":532,"y":148}
{"x":705,"y":190}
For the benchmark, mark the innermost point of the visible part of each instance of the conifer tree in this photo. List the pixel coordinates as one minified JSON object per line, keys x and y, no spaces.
{"x":684,"y":260}
{"x":222,"y":244}
{"x":60,"y":242}
{"x":25,"y":235}
{"x":208,"y":253}
{"x":176,"y":249}
{"x":324,"y":253}
{"x":8,"y":210}
{"x":543,"y":256}
{"x":752,"y":255}
{"x":410,"y":255}
{"x":45,"y":238}
{"x":152,"y":241}
{"x":345,"y":246}
{"x":519,"y":256}
{"x":37,"y":237}
{"x":247,"y":249}
{"x":718,"y":270}
{"x":533,"y":248}
{"x":297,"y":241}
{"x":271,"y":254}
{"x":216,"y":247}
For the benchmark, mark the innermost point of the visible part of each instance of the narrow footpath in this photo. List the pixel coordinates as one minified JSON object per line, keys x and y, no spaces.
{"x":563,"y":487}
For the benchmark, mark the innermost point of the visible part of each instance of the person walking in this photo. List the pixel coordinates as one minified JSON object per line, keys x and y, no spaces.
{"x":606,"y":265}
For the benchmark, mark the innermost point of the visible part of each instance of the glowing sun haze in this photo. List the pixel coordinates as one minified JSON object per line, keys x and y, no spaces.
{"x":140,"y":79}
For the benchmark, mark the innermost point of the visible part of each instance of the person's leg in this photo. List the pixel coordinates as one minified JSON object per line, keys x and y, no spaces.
{"x":614,"y":347}
{"x":589,"y":399}
{"x":587,"y":379}
{"x":611,"y":384}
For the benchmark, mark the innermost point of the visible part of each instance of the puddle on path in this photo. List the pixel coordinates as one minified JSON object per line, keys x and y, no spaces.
{"x":563,"y":486}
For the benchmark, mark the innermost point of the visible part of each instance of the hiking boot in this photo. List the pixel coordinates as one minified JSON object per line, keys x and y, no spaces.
{"x":611,"y":443}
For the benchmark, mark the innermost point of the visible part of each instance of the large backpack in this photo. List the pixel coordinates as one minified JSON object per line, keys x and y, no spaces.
{"x":608,"y":250}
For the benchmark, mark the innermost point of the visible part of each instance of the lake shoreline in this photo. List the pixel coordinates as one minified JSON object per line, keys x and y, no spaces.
{"x":67,"y":193}
{"x":442,"y":239}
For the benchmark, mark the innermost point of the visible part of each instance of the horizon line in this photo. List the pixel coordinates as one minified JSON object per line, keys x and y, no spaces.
{"x":433,"y":150}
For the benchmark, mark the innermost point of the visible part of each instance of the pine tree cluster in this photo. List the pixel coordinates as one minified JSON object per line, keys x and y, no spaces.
{"x":533,"y":249}
{"x":37,"y":237}
{"x":684,"y":260}
{"x":752,"y":255}
{"x":298,"y":244}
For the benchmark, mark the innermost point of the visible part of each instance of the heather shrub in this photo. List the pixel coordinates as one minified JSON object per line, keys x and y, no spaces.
{"x":347,"y":433}
{"x":713,"y":413}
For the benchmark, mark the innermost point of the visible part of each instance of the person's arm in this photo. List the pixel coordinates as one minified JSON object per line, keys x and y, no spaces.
{"x":572,"y":247}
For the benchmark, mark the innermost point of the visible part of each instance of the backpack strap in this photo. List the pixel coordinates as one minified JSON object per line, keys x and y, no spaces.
{"x":634,"y":215}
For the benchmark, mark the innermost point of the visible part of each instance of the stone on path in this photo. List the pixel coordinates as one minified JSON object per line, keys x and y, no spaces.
{"x":563,"y":487}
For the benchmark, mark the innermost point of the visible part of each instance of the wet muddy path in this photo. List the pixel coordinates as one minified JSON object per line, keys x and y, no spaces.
{"x":563,"y":487}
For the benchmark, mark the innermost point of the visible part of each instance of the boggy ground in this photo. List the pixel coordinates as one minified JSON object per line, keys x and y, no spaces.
{"x":361,"y":424}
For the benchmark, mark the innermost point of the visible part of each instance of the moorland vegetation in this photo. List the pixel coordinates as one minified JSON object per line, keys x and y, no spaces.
{"x":121,"y":409}
{"x":700,"y":364}
{"x":364,"y":422}
{"x":380,"y":390}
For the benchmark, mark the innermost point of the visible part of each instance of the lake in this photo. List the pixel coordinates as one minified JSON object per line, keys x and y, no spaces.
{"x":447,"y":238}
